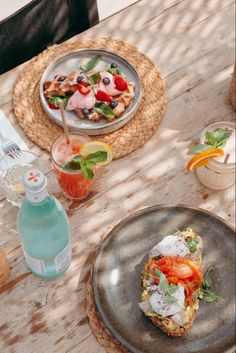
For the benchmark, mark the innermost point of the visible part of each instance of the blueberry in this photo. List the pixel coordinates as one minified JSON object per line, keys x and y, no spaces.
{"x":113,"y":104}
{"x":113,"y":65}
{"x":106,"y":80}
{"x":61,"y":78}
{"x":79,"y":79}
{"x":85,"y":111}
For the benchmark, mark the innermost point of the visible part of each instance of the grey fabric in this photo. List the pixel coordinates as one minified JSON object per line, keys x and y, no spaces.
{"x":42,"y":23}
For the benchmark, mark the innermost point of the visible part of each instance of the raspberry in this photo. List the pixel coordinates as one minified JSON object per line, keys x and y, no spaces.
{"x":120,"y":83}
{"x":103,"y":96}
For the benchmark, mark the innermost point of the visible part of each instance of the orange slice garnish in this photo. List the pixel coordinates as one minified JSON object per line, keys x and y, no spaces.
{"x":202,"y":158}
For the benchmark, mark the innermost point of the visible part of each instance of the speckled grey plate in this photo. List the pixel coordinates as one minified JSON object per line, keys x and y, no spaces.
{"x":71,"y":61}
{"x":117,"y":289}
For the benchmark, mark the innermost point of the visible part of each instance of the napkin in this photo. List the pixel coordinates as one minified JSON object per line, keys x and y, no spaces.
{"x":8,"y":131}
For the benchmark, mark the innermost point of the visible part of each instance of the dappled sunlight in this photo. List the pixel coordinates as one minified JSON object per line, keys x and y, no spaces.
{"x":223,"y":75}
{"x":192,"y":44}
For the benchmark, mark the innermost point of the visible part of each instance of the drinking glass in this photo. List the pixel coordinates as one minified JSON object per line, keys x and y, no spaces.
{"x":72,"y":182}
{"x":12,"y":168}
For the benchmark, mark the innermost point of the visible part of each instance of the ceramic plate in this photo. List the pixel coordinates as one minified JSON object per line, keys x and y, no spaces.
{"x":117,"y":285}
{"x":70,"y":62}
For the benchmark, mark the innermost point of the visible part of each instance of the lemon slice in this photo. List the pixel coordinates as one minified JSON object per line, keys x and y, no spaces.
{"x":96,"y":146}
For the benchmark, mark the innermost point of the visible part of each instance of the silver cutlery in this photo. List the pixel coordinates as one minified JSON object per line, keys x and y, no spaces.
{"x":9,"y":146}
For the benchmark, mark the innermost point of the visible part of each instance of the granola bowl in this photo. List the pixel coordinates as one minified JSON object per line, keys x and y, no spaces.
{"x":69,"y":67}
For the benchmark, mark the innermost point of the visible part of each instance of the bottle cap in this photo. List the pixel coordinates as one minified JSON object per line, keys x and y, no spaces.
{"x":35,"y":184}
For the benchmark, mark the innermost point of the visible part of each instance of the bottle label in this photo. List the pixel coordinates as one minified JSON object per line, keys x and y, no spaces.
{"x":63,"y":259}
{"x":35,"y":265}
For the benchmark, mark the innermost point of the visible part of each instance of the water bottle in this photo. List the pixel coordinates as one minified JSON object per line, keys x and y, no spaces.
{"x":43,"y":227}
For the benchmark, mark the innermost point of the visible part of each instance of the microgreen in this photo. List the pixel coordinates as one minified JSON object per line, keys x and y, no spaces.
{"x":85,"y":164}
{"x":213,"y":139}
{"x":91,"y":63}
{"x":205,"y":294}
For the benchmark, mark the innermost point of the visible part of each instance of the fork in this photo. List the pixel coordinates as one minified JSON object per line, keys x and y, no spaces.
{"x":9,"y":146}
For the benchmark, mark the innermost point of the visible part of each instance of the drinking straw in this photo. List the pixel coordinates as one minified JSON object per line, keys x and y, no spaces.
{"x":62,"y":110}
{"x":226,"y":158}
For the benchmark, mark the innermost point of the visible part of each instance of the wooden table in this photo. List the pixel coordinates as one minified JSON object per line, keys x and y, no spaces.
{"x":192,"y":42}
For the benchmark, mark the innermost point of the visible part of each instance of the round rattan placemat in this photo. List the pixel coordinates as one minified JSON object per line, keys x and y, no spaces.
{"x":102,"y":334}
{"x":134,"y":134}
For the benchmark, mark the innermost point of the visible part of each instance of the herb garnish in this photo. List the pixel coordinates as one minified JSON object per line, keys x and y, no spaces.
{"x":91,"y":63}
{"x":104,"y":109}
{"x":56,"y":100}
{"x":114,"y":71}
{"x":94,"y":78}
{"x":85,"y":164}
{"x":166,"y":288}
{"x":205,"y":294}
{"x":214,"y":139}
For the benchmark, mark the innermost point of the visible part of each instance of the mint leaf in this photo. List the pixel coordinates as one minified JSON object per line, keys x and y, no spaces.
{"x":221,"y":143}
{"x":74,"y":163}
{"x":210,"y":138}
{"x":202,"y":147}
{"x":94,"y":158}
{"x":172,"y":289}
{"x":104,"y":109}
{"x":163,"y":284}
{"x":55,"y":100}
{"x":114,"y":71}
{"x":87,"y":172}
{"x":169,"y":299}
{"x":91,"y":63}
{"x":221,"y":135}
{"x":94,"y":78}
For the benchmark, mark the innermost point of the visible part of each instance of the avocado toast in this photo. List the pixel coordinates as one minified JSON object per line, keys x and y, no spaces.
{"x":171,"y":281}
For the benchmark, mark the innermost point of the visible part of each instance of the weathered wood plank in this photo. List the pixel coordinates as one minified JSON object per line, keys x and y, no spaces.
{"x":181,"y":37}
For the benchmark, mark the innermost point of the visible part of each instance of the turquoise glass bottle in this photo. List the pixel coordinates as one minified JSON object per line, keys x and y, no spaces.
{"x":43,"y":227}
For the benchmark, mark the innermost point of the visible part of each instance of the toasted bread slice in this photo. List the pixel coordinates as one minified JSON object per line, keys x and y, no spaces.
{"x":187,"y":315}
{"x":166,"y":324}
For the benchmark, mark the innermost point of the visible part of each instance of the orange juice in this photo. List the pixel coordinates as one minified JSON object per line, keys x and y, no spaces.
{"x":72,"y":182}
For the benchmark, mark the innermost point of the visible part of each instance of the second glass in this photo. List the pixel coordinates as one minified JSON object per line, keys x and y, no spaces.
{"x":72,"y":182}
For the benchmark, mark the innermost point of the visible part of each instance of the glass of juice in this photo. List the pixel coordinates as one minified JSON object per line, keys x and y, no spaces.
{"x":72,"y":182}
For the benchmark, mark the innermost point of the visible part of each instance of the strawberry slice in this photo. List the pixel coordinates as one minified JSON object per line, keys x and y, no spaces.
{"x":82,"y":89}
{"x":52,"y":106}
{"x":86,"y":84}
{"x":103,"y":96}
{"x":120,"y":83}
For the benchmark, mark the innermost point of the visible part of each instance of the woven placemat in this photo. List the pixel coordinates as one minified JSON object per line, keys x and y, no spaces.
{"x":134,"y":134}
{"x":102,"y":334}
